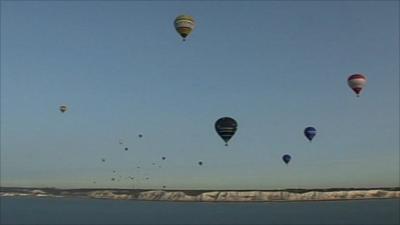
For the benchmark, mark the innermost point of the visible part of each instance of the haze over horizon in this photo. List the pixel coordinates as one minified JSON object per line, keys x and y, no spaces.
{"x":122,"y":70}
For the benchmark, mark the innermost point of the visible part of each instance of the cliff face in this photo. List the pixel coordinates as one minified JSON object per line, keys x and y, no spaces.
{"x":233,"y":196}
{"x":208,"y":196}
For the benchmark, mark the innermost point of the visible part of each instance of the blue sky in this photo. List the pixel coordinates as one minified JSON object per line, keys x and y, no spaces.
{"x":276,"y":67}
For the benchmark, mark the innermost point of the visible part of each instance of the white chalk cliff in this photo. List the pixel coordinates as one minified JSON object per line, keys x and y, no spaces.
{"x":243,"y":196}
{"x":208,"y":196}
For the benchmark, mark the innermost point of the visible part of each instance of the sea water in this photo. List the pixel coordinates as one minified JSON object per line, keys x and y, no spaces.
{"x":34,"y":210}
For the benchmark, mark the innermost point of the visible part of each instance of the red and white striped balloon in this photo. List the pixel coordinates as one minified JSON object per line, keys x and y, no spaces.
{"x":357,"y":82}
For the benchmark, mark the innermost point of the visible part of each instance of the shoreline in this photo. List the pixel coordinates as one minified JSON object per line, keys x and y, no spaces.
{"x":289,"y":195}
{"x":208,"y":202}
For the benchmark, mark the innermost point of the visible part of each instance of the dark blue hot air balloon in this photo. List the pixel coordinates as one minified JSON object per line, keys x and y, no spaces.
{"x":286,"y":158}
{"x":310,"y":132}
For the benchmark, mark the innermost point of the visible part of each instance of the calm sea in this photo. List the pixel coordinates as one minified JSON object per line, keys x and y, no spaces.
{"x":29,"y":210}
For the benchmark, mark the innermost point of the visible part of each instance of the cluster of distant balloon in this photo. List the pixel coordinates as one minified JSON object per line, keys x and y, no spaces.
{"x":226,"y":126}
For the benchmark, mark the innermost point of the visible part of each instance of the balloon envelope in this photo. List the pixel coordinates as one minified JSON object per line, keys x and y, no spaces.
{"x":184,"y":25}
{"x":310,"y":132}
{"x":357,"y":82}
{"x":226,"y":128}
{"x":63,"y":108}
{"x":286,"y":158}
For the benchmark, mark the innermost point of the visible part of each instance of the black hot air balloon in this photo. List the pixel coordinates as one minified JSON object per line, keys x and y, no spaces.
{"x":63,"y":108}
{"x":226,"y":128}
{"x":286,"y":158}
{"x":310,"y":132}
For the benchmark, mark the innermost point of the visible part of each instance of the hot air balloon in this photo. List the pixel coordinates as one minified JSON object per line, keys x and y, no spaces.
{"x":286,"y":158}
{"x":63,"y":108}
{"x":126,"y":149}
{"x":357,"y":82}
{"x":310,"y":132}
{"x":103,"y":159}
{"x":200,"y":163}
{"x":184,"y":25}
{"x":226,"y":128}
{"x":140,"y":135}
{"x":163,"y":158}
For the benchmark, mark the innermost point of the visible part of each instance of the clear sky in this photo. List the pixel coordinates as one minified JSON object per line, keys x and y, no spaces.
{"x":276,"y":67}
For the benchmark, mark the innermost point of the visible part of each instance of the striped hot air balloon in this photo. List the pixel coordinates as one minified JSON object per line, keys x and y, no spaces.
{"x":357,"y":82}
{"x":310,"y":132}
{"x":184,"y":25}
{"x":226,"y":128}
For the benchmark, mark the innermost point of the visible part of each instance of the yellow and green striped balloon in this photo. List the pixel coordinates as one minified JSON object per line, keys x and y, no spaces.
{"x":184,"y":25}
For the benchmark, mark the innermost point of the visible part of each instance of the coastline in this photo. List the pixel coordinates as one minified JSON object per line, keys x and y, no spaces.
{"x":204,"y":202}
{"x":209,"y":196}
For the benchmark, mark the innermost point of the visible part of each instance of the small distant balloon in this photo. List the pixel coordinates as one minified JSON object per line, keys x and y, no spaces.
{"x":103,"y":159}
{"x":163,"y":158}
{"x":126,"y":149}
{"x":200,"y":163}
{"x":63,"y":108}
{"x":286,"y":158}
{"x":140,"y":135}
{"x":113,"y":179}
{"x":310,"y":132}
{"x":184,"y":25}
{"x":357,"y":82}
